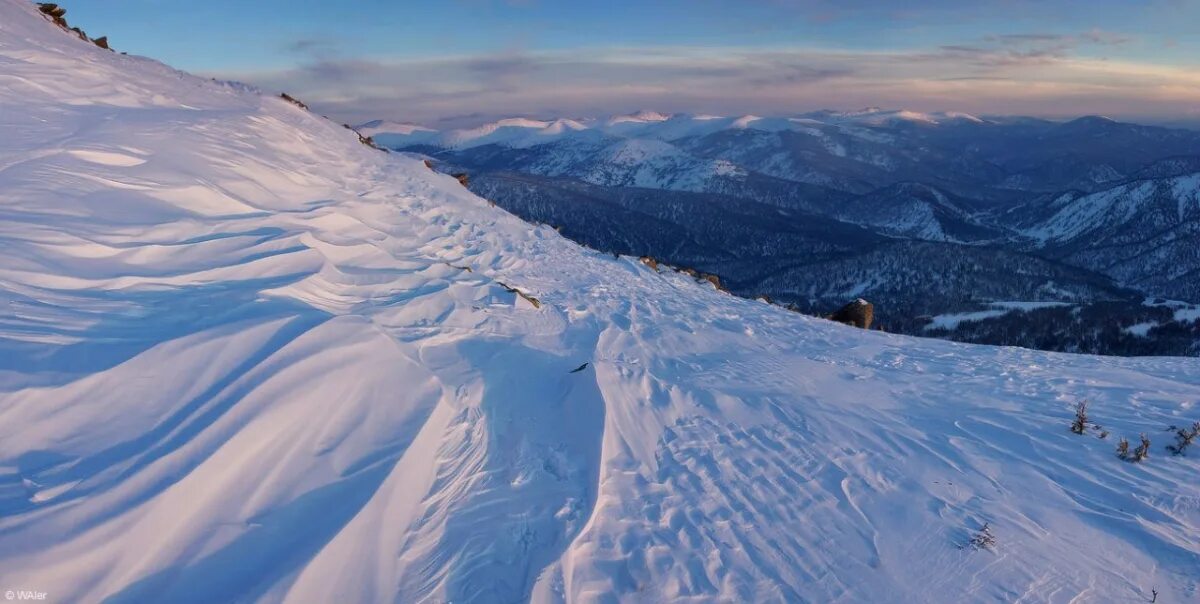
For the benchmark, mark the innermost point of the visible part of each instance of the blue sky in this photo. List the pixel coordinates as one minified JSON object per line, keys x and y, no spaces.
{"x":461,"y":60}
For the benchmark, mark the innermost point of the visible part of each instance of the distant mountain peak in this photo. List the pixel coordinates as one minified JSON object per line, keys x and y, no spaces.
{"x":644,"y":115}
{"x":377,"y":126}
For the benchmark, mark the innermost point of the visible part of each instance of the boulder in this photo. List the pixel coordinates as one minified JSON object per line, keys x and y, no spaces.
{"x":715,"y":280}
{"x":858,"y":313}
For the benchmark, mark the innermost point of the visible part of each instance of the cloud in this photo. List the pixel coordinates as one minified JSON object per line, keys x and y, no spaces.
{"x":1015,"y":39}
{"x":1106,"y":38}
{"x":341,"y":71}
{"x":1025,"y":73}
{"x":305,"y":46}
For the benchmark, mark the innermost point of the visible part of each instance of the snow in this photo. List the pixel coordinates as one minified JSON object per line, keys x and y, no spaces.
{"x":1187,"y":190}
{"x":242,"y":362}
{"x":520,"y":132}
{"x":388,"y":127}
{"x":640,"y":117}
{"x":501,"y":132}
{"x":656,"y":164}
{"x":1141,"y":329}
{"x":397,"y":134}
{"x":1187,"y":315}
{"x":999,"y":309}
{"x":1115,"y":207}
{"x":1027,"y":305}
{"x":875,"y":116}
{"x":951,"y":321}
{"x":562,"y":125}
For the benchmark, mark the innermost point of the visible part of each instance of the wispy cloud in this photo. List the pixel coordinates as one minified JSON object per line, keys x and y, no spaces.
{"x":310,"y":46}
{"x":1038,"y":73}
{"x":1107,"y":38}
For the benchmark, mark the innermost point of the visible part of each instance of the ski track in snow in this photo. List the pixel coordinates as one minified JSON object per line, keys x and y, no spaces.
{"x":244,"y":361}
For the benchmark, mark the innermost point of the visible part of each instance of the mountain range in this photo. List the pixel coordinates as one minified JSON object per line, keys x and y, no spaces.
{"x":1092,"y":225}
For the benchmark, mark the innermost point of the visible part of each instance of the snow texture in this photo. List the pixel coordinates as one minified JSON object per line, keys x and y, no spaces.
{"x":243,"y":361}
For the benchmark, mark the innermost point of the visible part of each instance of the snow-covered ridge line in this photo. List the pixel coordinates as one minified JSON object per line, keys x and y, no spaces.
{"x":520,"y":132}
{"x":244,"y":361}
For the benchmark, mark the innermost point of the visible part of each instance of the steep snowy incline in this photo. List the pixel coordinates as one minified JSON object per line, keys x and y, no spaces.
{"x":246,"y":358}
{"x":1133,"y":211}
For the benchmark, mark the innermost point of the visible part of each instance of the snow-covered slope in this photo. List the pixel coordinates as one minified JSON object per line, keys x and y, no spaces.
{"x":875,"y":116}
{"x":1143,"y":206}
{"x":653,"y":164}
{"x":395,"y":134}
{"x":244,"y":360}
{"x":1144,"y":233}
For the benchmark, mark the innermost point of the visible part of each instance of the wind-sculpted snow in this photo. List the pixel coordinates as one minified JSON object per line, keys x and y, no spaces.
{"x":247,"y":358}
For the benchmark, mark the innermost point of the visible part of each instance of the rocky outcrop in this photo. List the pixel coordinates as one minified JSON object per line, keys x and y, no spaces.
{"x":858,"y":313}
{"x":653,"y":263}
{"x":57,"y":14}
{"x":293,"y":100}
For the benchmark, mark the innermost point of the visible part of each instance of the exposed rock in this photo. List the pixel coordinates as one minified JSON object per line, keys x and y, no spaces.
{"x":463,"y":178}
{"x":858,"y":313}
{"x":52,"y":9}
{"x":528,"y":298}
{"x":102,"y":42}
{"x":366,"y":140}
{"x":289,"y":98}
{"x":691,"y":272}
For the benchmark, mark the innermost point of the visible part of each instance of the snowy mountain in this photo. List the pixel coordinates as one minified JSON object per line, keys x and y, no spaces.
{"x":1144,"y":232}
{"x":918,"y":211}
{"x":873,"y":148}
{"x":248,"y":358}
{"x":395,"y":134}
{"x":1015,"y":187}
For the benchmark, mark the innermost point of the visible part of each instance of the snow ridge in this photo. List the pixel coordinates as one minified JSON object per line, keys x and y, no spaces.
{"x":660,"y":126}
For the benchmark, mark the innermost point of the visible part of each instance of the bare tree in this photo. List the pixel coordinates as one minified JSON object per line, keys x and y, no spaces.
{"x":1142,"y":451}
{"x":1079,"y":426}
{"x":1183,"y":439}
{"x":1123,"y":448}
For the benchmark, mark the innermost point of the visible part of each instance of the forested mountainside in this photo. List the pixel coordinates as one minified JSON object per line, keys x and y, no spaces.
{"x":927,"y":214}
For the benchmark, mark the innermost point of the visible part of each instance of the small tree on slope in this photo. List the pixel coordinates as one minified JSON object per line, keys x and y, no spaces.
{"x":1183,"y":439}
{"x":1079,"y":426}
{"x":1137,"y":455}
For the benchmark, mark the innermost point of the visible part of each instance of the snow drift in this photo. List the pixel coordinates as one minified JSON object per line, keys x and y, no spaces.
{"x":246,"y":358}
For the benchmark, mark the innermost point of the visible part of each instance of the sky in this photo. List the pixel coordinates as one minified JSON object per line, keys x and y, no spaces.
{"x":447,"y":63}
